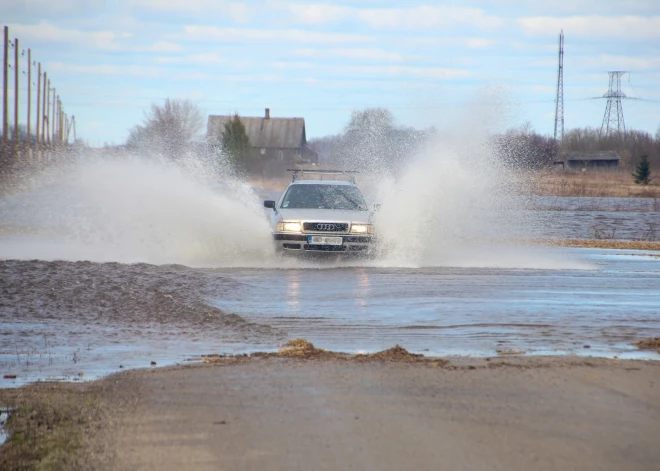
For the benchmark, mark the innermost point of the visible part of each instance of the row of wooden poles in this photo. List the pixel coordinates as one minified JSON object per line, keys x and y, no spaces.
{"x":52,"y":123}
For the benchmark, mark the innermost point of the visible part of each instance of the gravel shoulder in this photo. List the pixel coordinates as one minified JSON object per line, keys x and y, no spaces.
{"x":331,"y":412}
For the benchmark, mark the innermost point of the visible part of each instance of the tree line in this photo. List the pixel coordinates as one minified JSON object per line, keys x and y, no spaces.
{"x":372,"y":142}
{"x":372,"y":135}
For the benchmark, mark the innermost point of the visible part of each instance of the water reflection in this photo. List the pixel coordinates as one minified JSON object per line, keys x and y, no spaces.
{"x":293,"y":290}
{"x":362,"y":289}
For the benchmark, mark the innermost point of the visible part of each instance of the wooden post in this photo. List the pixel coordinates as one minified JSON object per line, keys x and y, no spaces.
{"x":37,"y":145}
{"x":16,"y":68}
{"x":5,"y":91}
{"x":46,"y":110}
{"x":59,"y":120}
{"x":29,"y":103}
{"x":53,"y":118}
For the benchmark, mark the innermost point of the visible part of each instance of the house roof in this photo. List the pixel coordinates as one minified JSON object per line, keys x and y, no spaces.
{"x":601,"y":155}
{"x":283,"y":133}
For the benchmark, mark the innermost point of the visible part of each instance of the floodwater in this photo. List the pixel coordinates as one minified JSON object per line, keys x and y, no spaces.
{"x":114,"y":264}
{"x":81,"y":320}
{"x":599,"y":218}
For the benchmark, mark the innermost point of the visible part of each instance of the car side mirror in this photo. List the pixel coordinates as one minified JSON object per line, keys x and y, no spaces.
{"x":269,"y":204}
{"x":376,"y":207}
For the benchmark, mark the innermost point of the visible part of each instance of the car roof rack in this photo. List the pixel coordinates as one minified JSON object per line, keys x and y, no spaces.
{"x":302,"y":171}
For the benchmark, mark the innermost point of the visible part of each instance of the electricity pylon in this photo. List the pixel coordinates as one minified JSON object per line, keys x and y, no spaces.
{"x":559,"y":101}
{"x":613,"y":120}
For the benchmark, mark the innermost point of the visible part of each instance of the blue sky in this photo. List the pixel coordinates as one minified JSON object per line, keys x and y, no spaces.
{"x":425,"y":61}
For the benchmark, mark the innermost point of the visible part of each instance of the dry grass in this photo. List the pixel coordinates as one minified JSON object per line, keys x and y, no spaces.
{"x":303,"y":349}
{"x":652,"y":343}
{"x":48,"y":426}
{"x":600,"y":244}
{"x":590,"y":183}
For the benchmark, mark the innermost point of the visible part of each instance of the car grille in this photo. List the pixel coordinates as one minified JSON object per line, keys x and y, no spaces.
{"x":325,"y":248}
{"x":325,"y":227}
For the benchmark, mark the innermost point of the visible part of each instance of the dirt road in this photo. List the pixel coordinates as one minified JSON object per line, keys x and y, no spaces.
{"x":275,"y":414}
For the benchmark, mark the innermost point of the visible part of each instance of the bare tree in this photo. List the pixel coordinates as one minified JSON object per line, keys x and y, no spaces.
{"x":167,"y":129}
{"x":373,"y":143}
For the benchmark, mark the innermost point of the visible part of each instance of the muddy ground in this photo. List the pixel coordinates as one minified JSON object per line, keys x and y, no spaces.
{"x":327,"y":412}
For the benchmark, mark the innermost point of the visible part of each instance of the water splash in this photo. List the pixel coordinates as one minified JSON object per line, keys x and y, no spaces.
{"x":454,"y":203}
{"x":136,"y":210}
{"x":458,"y":204}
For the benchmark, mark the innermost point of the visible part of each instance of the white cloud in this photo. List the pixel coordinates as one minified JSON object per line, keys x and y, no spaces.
{"x":246,"y":35}
{"x":411,"y":18}
{"x":316,"y":14}
{"x":206,"y":59}
{"x":135,"y":71}
{"x":164,"y":47}
{"x":195,"y":76}
{"x":538,"y":8}
{"x":549,"y":90}
{"x":410,"y":71}
{"x":479,"y":43}
{"x":591,"y":27}
{"x":371,"y":71}
{"x":426,"y":16}
{"x":48,"y":8}
{"x":452,"y":42}
{"x":613,"y":62}
{"x":236,"y":11}
{"x":49,"y":33}
{"x":362,"y":54}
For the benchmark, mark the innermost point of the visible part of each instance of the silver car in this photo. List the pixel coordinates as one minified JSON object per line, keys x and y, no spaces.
{"x":321,"y":216}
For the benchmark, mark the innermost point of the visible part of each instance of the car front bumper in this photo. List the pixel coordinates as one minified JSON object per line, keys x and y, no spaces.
{"x":299,"y":242}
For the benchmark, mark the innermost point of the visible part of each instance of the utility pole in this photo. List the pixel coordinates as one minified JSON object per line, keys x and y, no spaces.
{"x":5,"y":90}
{"x":65,"y":127}
{"x":71,"y":123}
{"x":37,"y":144}
{"x":29,"y":101}
{"x":16,"y":68}
{"x":614,"y":96}
{"x":53,"y":118}
{"x":60,"y":116}
{"x":46,"y":109}
{"x":559,"y":101}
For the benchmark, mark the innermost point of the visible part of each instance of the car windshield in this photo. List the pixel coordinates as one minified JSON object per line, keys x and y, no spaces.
{"x":311,"y":196}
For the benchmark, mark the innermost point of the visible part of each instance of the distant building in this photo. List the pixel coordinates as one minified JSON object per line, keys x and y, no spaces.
{"x":276,"y":143}
{"x":602,"y":160}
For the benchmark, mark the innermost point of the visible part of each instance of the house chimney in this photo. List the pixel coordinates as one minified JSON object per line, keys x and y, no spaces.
{"x":267,"y":113}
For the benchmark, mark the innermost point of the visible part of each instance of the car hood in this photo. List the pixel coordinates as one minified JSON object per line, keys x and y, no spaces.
{"x":325,"y":215}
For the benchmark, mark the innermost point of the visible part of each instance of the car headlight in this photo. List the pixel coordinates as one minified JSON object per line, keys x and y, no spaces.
{"x":361,"y":228}
{"x":289,"y":227}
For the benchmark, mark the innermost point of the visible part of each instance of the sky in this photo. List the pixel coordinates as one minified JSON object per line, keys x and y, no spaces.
{"x":425,"y":61}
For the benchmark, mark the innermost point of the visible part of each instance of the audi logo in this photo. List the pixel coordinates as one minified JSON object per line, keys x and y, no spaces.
{"x":325,"y":227}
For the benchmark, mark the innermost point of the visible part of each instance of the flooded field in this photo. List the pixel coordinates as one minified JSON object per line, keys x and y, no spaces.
{"x":80,"y":320}
{"x":112,"y":264}
{"x":599,"y":218}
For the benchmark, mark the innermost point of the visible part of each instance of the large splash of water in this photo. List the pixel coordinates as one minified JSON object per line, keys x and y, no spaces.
{"x":454,"y":204}
{"x":133,"y":209}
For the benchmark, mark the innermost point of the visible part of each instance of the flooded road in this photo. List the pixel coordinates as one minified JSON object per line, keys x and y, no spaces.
{"x":80,"y":320}
{"x":121,"y":263}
